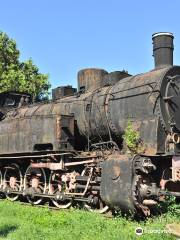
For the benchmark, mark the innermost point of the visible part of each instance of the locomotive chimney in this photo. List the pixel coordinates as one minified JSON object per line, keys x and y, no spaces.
{"x":163,"y":49}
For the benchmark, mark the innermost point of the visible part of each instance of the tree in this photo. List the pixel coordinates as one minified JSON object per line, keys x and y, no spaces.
{"x":19,"y":76}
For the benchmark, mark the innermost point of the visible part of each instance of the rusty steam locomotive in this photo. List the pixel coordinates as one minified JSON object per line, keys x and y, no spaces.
{"x":71,"y":149}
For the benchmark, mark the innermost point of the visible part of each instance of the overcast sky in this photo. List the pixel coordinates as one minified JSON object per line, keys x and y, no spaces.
{"x":64,"y":36}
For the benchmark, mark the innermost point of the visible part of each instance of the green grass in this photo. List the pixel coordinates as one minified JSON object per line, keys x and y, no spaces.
{"x":25,"y":222}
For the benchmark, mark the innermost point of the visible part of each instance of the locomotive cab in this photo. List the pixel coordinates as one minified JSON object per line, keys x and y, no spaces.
{"x":10,"y":100}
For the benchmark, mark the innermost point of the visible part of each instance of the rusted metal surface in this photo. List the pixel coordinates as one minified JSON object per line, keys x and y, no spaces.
{"x":36,"y":132}
{"x":114,"y":77}
{"x":61,"y":165}
{"x":98,"y":114}
{"x":63,"y":91}
{"x":79,"y":137}
{"x":51,"y":166}
{"x":116,"y":184}
{"x":91,"y":78}
{"x":65,"y":132}
{"x":58,"y":128}
{"x":163,"y":49}
{"x":176,"y":168}
{"x":118,"y":156}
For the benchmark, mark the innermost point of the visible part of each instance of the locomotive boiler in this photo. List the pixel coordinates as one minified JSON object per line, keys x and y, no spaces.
{"x":71,"y":149}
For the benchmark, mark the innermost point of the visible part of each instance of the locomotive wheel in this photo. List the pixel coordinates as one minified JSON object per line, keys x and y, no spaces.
{"x":34,"y":182}
{"x":12,"y":181}
{"x":100,"y":206}
{"x":57,"y":186}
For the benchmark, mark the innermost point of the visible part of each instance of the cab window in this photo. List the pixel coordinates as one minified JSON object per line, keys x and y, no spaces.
{"x":9,"y":102}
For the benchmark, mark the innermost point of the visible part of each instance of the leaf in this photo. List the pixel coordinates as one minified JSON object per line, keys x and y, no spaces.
{"x":19,"y":76}
{"x":131,"y":137}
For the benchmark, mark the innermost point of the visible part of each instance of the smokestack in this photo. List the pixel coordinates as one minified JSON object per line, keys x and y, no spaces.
{"x":163,"y":49}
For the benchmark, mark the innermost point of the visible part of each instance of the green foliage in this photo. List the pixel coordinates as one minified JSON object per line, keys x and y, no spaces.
{"x":131,"y":137}
{"x":20,"y":222}
{"x":170,"y":205}
{"x":19,"y":76}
